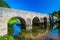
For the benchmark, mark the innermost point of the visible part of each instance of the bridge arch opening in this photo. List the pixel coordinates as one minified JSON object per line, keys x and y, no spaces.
{"x":35,"y":26}
{"x":19,"y":21}
{"x":35,"y":21}
{"x":45,"y":23}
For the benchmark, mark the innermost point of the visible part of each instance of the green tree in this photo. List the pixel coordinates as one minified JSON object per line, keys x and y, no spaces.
{"x":7,"y":37}
{"x":57,"y":14}
{"x":58,"y":25}
{"x":4,"y":4}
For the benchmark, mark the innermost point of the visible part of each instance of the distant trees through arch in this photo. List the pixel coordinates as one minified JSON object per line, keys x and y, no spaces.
{"x":13,"y":21}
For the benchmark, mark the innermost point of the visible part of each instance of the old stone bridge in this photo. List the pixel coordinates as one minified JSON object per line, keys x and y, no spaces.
{"x":25,"y":16}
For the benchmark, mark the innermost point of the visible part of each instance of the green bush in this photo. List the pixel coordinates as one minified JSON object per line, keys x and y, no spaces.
{"x":7,"y":38}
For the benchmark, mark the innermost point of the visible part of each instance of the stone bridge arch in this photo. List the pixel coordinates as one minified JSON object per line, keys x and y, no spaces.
{"x":22,"y":20}
{"x":23,"y":25}
{"x":36,"y":21}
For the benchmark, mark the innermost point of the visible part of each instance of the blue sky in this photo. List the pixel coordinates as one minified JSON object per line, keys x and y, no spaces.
{"x":42,"y":6}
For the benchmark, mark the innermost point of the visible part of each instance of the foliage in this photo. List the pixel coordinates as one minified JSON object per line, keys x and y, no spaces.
{"x":12,"y":21}
{"x":4,"y":4}
{"x":10,"y":30}
{"x":57,"y":14}
{"x":7,"y":38}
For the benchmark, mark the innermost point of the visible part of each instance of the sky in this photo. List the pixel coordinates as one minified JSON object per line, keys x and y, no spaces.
{"x":41,"y":6}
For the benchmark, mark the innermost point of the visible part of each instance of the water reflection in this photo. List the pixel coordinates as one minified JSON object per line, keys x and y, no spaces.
{"x":39,"y":34}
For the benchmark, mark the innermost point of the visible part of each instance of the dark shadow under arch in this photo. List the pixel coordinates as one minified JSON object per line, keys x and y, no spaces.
{"x":45,"y":22}
{"x":35,"y":21}
{"x":23,"y":22}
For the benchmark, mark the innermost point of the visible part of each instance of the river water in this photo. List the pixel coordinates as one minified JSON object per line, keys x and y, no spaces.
{"x":51,"y":35}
